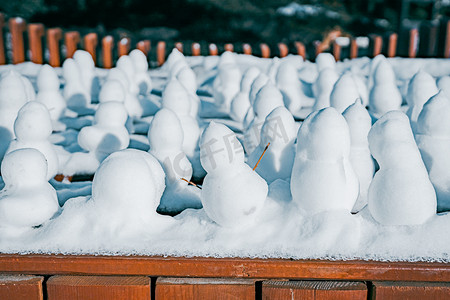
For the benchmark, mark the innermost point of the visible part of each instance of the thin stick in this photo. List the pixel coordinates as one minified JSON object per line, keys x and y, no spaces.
{"x":265,"y":149}
{"x":191,"y":183}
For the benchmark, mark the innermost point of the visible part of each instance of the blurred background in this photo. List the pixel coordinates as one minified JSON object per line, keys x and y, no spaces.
{"x":231,"y":21}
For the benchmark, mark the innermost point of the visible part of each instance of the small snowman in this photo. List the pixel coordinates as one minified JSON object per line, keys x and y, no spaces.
{"x":384,"y":95}
{"x":176,"y":98}
{"x":174,"y":58}
{"x":232,"y":194}
{"x":27,"y":200}
{"x":359,"y":123}
{"x":256,"y":86}
{"x":48,"y":92}
{"x":141,"y":76}
{"x":12,"y":97}
{"x":188,"y":80}
{"x":290,"y":86}
{"x":421,"y":88}
{"x":126,"y":65}
{"x":75,"y":93}
{"x":86,"y":68}
{"x":166,"y":139}
{"x":323,"y":86}
{"x":241,"y":102}
{"x":33,"y":128}
{"x":126,"y":191}
{"x":324,"y":61}
{"x":344,"y":93}
{"x":108,"y":133}
{"x":322,"y":176}
{"x":433,"y":140}
{"x":227,"y":83}
{"x":401,"y":192}
{"x":267,"y":99}
{"x":280,"y":131}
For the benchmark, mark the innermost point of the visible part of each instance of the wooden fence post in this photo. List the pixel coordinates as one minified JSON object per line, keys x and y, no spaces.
{"x":353,"y":48}
{"x":35,"y":34}
{"x":284,"y":50}
{"x":71,"y":40}
{"x":179,"y":46}
{"x":301,"y":50}
{"x":247,"y":49}
{"x":16,"y":28}
{"x":377,"y":45}
{"x":107,"y":48}
{"x":2,"y":42}
{"x":161,"y":53}
{"x":392,"y":46}
{"x":229,"y":47}
{"x":318,"y":47}
{"x":21,"y":287}
{"x":144,"y":46}
{"x":413,"y":43}
{"x":265,"y":50}
{"x":90,"y":44}
{"x":195,"y":48}
{"x":54,"y":35}
{"x":447,"y":41}
{"x":123,"y":46}
{"x":213,"y":50}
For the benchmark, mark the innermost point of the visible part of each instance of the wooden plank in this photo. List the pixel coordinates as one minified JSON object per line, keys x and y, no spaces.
{"x":98,"y":287}
{"x":123,"y":46}
{"x":265,"y":50}
{"x":90,"y":44}
{"x":16,"y":27}
{"x":204,"y":288}
{"x":161,"y":53}
{"x":411,"y":290}
{"x":179,"y":46}
{"x":284,"y":50}
{"x":413,"y":43}
{"x":224,"y":267}
{"x":195,"y":49}
{"x":301,"y":50}
{"x":213,"y":51}
{"x":35,"y":34}
{"x":144,"y":46}
{"x":336,"y":51}
{"x":229,"y":47}
{"x":54,"y":35}
{"x":353,"y":48}
{"x":447,"y":41}
{"x":247,"y":49}
{"x":377,"y":45}
{"x":21,"y":287}
{"x":392,"y":46}
{"x":312,"y":290}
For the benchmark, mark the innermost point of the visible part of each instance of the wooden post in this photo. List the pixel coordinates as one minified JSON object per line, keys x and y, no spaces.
{"x":247,"y":49}
{"x":98,"y":287}
{"x":21,"y":287}
{"x":161,"y":53}
{"x":2,"y":42}
{"x":413,"y":42}
{"x":204,"y":288}
{"x":301,"y":50}
{"x":265,"y":50}
{"x":229,"y":47}
{"x":353,"y":48}
{"x":447,"y":41}
{"x":392,"y":46}
{"x":284,"y":50}
{"x":144,"y":46}
{"x":35,"y":34}
{"x":195,"y":48}
{"x":54,"y":35}
{"x":410,"y":290}
{"x":107,"y":48}
{"x":16,"y":28}
{"x":336,"y":51}
{"x":71,"y":40}
{"x":310,"y":290}
{"x":123,"y":46}
{"x":377,"y":45}
{"x":213,"y":49}
{"x":179,"y":46}
{"x":90,"y":44}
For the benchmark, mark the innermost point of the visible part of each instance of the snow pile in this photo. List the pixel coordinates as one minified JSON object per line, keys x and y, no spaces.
{"x":251,"y":157}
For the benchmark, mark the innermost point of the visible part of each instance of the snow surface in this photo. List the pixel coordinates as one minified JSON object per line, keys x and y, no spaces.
{"x":115,"y":214}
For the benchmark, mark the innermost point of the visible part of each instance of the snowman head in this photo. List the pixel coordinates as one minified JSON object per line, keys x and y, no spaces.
{"x":219,"y":148}
{"x":176,"y":98}
{"x":433,"y":119}
{"x":25,"y":166}
{"x":33,"y":122}
{"x":165,"y":131}
{"x":47,"y":79}
{"x":112,"y":90}
{"x":112,"y":113}
{"x":139,"y":60}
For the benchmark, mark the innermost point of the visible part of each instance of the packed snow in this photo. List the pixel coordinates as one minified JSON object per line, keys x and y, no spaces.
{"x":227,"y":156}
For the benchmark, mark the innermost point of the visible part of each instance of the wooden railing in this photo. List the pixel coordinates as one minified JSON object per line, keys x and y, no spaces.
{"x":33,"y":41}
{"x":138,"y":277}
